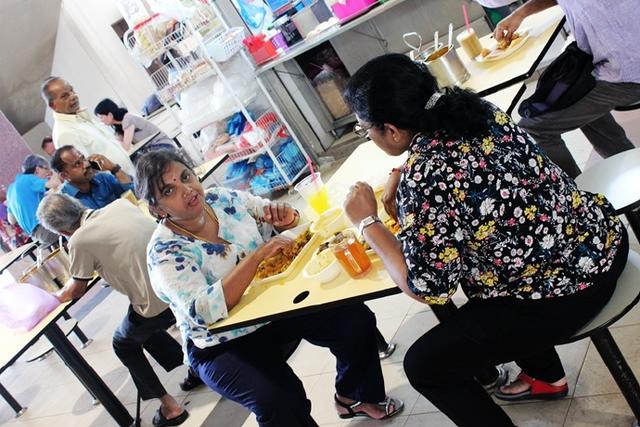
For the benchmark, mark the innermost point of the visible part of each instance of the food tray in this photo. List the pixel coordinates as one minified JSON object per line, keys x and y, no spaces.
{"x":313,"y":242}
{"x":498,"y":54}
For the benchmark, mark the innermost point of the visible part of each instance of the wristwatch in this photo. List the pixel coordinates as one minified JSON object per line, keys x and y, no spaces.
{"x":371,"y":219}
{"x":115,"y":169}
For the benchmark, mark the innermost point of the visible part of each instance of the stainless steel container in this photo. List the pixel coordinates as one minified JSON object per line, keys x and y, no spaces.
{"x":40,"y":277}
{"x":445,"y":65}
{"x":58,"y":265}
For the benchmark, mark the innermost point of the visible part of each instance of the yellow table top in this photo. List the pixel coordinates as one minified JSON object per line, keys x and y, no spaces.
{"x":505,"y":97}
{"x":487,"y":76}
{"x":270,"y":301}
{"x":14,"y":341}
{"x":10,"y":257}
{"x":205,"y":169}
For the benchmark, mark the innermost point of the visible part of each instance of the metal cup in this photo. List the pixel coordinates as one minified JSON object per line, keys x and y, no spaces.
{"x":445,"y":65}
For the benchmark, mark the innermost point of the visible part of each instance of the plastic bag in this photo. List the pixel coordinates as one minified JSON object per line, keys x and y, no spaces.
{"x":22,"y":306}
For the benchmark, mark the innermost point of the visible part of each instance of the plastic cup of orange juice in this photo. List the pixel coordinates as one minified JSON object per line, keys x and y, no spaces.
{"x":314,"y":192}
{"x":350,"y":254}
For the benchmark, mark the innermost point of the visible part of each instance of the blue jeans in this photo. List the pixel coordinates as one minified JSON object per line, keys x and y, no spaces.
{"x":252,"y":371}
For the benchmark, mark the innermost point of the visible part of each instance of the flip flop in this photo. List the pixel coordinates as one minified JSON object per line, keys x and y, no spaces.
{"x":538,"y":390}
{"x":159,"y":420}
{"x":397,"y":404}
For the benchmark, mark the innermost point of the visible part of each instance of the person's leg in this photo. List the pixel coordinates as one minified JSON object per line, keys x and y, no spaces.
{"x":441,"y":365}
{"x":251,"y":371}
{"x":547,"y":129}
{"x":128,"y":342}
{"x":350,"y":334}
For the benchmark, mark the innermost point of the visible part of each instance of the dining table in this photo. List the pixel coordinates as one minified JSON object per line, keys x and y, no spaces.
{"x":295,"y":294}
{"x":16,"y":342}
{"x":488,"y":77}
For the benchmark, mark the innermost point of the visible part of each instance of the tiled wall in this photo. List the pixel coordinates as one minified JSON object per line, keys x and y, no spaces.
{"x":12,"y":151}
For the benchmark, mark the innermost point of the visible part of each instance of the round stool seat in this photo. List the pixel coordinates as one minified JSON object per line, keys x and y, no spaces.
{"x":616,"y":177}
{"x":626,"y":295}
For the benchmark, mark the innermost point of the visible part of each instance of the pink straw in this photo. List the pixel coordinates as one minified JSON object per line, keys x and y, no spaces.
{"x":466,"y":17}
{"x":314,"y":178}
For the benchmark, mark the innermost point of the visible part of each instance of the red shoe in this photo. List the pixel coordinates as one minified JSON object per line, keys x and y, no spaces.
{"x":538,"y":390}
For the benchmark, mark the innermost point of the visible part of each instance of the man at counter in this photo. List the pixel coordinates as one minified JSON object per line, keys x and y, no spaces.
{"x":99,"y":241}
{"x":26,"y":192}
{"x":94,"y":188}
{"x":74,"y":126}
{"x":605,"y":30}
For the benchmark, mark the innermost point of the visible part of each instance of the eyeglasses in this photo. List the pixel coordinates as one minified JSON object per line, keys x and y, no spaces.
{"x":360,"y":130}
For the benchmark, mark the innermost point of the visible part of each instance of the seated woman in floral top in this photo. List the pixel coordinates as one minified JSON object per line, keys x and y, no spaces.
{"x":203,"y":256}
{"x":481,"y":206}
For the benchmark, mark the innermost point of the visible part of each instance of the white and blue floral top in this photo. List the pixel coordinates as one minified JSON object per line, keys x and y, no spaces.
{"x":187,"y":273}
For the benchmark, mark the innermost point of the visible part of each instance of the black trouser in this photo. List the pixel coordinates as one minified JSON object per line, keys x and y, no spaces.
{"x":252,"y":371}
{"x":137,"y":333}
{"x":441,"y":363}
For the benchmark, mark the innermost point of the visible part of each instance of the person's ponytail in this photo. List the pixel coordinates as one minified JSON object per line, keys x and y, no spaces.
{"x":394,"y":89}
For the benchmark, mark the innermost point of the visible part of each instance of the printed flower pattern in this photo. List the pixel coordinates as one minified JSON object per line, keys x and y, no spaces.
{"x":494,"y":215}
{"x":187,"y":273}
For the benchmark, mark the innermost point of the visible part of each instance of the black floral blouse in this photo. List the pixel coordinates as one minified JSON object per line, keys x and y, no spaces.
{"x":496,"y":216}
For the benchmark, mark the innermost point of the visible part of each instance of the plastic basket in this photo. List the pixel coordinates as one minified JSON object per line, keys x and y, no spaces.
{"x":225,"y":44}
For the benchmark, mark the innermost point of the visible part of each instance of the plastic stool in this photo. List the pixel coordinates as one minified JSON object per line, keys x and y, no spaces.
{"x":625,"y":296}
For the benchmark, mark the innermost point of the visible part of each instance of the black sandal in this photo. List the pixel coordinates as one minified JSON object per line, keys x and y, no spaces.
{"x":159,"y":419}
{"x":398,"y":406}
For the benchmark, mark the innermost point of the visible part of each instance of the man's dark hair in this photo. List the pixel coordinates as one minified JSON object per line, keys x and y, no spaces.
{"x":57,"y":164}
{"x":46,"y":140}
{"x":44,"y":89}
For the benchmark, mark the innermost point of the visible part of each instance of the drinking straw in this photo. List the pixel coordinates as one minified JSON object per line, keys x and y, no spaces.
{"x":466,"y":17}
{"x":450,"y":34}
{"x":314,"y":178}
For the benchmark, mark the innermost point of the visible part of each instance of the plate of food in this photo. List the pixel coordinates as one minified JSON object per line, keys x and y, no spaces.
{"x":282,"y":264}
{"x":504,"y":48}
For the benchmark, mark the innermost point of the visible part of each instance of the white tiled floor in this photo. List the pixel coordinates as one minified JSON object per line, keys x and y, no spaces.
{"x":55,"y":398}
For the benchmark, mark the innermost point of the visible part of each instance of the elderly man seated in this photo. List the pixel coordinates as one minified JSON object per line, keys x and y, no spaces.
{"x":95,"y":189}
{"x":24,"y":195}
{"x":113,"y":241}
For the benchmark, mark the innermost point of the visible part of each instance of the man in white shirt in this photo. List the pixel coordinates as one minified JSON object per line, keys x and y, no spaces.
{"x":76,"y":127}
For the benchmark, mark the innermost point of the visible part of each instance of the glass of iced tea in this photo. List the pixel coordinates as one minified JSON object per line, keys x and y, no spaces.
{"x":350,"y":254}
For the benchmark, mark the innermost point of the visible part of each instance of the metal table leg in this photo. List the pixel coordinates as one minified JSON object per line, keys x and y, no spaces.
{"x":634,"y":221}
{"x":18,"y":408}
{"x":620,"y":370}
{"x":384,"y":349}
{"x":76,"y":330}
{"x":87,"y":375}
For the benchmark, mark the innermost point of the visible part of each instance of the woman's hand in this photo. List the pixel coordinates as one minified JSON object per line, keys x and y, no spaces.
{"x":389,"y":195}
{"x":360,"y":202}
{"x":508,"y":26}
{"x":272,"y":247}
{"x":280,"y":215}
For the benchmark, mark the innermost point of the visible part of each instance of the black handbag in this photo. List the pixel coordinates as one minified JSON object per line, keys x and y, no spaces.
{"x":565,"y":81}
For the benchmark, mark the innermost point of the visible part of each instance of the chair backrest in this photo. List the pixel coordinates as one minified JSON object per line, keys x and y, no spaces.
{"x":626,"y":295}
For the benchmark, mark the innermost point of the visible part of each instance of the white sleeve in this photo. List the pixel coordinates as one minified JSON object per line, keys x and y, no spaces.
{"x":178,"y":280}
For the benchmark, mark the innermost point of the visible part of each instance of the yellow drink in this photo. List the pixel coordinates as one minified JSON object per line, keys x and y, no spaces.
{"x":319,"y":200}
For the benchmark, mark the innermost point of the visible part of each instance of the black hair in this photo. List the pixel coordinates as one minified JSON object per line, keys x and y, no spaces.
{"x":107,"y":106}
{"x":394,"y":89}
{"x":46,"y":140}
{"x":57,"y":164}
{"x":149,"y":170}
